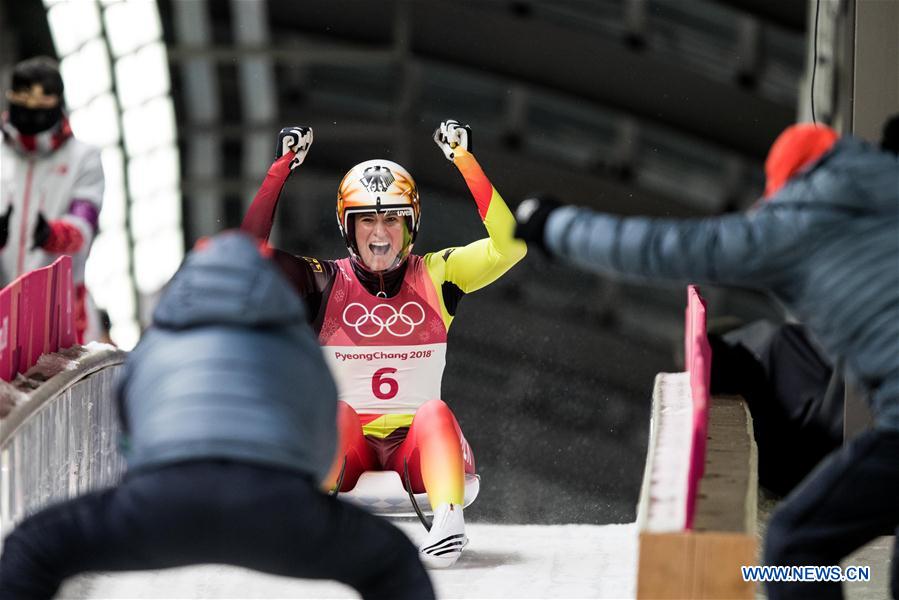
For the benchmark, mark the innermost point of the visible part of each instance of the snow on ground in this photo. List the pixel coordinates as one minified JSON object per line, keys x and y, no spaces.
{"x":501,"y":561}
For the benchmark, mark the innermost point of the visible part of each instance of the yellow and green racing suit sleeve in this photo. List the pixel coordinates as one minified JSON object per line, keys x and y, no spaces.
{"x":461,"y":270}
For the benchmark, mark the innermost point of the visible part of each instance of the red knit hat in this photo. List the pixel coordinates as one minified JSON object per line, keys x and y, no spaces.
{"x":798,"y":146}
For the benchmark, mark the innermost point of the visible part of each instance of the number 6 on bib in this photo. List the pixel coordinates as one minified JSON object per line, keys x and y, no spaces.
{"x":379,"y":381}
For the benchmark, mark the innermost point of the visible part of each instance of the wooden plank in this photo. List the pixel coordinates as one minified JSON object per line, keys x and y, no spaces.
{"x":695,"y":565}
{"x":728,"y":491}
{"x":717,"y":560}
{"x":665,"y":565}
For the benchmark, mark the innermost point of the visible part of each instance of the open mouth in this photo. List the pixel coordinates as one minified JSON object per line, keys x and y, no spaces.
{"x":379,"y":249}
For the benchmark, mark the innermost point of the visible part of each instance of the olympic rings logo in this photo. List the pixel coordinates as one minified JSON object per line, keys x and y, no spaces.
{"x":399,"y":323}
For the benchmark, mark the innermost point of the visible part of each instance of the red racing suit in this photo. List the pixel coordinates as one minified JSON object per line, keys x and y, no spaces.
{"x":384,"y":337}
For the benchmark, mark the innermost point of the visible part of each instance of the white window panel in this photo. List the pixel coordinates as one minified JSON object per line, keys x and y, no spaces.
{"x":108,"y":259}
{"x":113,"y":213}
{"x":149,"y":125}
{"x":156,"y":260}
{"x":156,"y":214}
{"x":125,"y":334}
{"x":86,"y":73}
{"x":72,"y":24}
{"x":142,"y":75}
{"x":116,"y":297}
{"x":168,"y":166}
{"x":97,"y":123}
{"x":130,"y":25}
{"x":106,"y":112}
{"x":109,"y":255}
{"x":153,"y":171}
{"x":119,"y":298}
{"x":95,"y":59}
{"x":141,"y":176}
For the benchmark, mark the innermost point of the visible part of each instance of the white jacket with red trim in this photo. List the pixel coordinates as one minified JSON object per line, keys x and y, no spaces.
{"x":66,"y":183}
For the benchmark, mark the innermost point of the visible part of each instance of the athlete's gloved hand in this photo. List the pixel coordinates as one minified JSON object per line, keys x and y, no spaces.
{"x":450,"y":135}
{"x":297,"y":140}
{"x":530,"y":218}
{"x":4,"y":227}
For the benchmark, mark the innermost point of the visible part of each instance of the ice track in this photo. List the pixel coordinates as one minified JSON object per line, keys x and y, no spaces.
{"x":501,"y":561}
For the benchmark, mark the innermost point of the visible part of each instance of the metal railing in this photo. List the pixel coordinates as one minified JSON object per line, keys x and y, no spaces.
{"x":62,"y":440}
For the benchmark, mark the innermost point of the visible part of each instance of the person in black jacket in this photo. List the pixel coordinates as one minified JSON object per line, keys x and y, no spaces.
{"x":229,"y":427}
{"x":795,"y":399}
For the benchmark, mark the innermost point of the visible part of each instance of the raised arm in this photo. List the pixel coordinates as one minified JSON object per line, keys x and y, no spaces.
{"x":747,"y":250}
{"x":482,"y":262}
{"x":305,"y":274}
{"x":293,"y":145}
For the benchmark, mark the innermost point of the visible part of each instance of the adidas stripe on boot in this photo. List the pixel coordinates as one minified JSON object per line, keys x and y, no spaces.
{"x":444,"y":543}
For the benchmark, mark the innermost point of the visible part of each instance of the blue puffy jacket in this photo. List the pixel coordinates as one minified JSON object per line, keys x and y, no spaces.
{"x":826,"y":245}
{"x":230,"y":369}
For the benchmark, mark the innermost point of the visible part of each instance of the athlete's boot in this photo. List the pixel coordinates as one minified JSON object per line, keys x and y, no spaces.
{"x":444,"y":543}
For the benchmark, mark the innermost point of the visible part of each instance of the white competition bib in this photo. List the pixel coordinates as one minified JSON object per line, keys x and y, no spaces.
{"x":386,"y":354}
{"x":387,"y":379}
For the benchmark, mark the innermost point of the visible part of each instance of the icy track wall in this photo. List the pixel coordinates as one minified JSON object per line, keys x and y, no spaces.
{"x":58,"y":441}
{"x":675,"y":458}
{"x":697,"y":510}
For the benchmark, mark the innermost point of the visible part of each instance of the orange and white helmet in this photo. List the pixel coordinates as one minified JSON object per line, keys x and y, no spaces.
{"x":378,"y":186}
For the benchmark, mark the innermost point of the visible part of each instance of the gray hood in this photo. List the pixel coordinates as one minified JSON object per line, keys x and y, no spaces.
{"x":230,"y":369}
{"x":228,"y":282}
{"x":853,"y":176}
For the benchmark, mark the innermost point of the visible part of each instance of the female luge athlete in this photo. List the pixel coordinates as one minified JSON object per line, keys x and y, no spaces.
{"x":382,"y":316}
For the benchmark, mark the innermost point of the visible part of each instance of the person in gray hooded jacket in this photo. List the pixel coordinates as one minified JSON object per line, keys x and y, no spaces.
{"x":826,"y":244}
{"x":229,"y":425}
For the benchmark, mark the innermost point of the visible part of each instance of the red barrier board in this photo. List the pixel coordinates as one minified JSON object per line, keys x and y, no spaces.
{"x":66,"y":295}
{"x":698,"y":358}
{"x":36,"y":317}
{"x":9,"y":328}
{"x":689,"y":315}
{"x":53,"y":307}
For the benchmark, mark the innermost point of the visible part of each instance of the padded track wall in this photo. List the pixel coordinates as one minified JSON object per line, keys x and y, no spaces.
{"x":67,"y":446}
